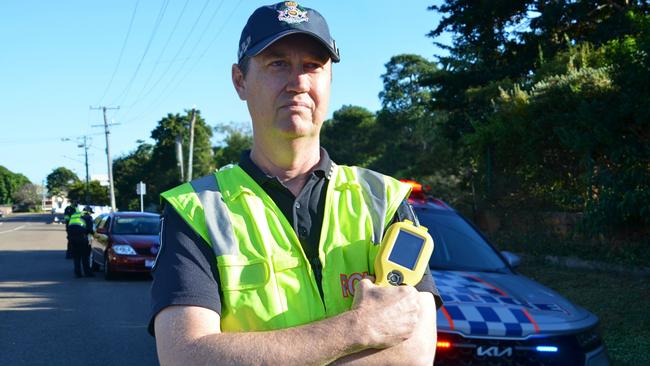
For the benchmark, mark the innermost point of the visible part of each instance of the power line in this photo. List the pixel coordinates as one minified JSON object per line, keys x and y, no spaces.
{"x":223,"y":25}
{"x":119,"y":59}
{"x":161,"y":14}
{"x":187,"y":37}
{"x":194,"y":48}
{"x":165,"y":90}
{"x":32,"y":140}
{"x":73,"y":159}
{"x":171,"y":34}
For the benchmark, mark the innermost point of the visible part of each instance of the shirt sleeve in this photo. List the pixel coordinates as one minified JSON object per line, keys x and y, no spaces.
{"x":427,"y":284}
{"x":185,"y":271}
{"x":89,"y":224}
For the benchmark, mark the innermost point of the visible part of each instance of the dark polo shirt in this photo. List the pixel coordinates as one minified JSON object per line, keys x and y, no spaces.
{"x":186,"y":273}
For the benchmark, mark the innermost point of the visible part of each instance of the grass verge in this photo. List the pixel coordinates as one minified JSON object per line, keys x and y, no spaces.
{"x":621,"y":302}
{"x":540,"y":243}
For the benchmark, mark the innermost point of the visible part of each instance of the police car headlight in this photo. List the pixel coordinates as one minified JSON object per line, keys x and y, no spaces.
{"x":124,"y":249}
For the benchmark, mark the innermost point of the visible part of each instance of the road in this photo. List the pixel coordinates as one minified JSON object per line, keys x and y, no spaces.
{"x":49,"y":317}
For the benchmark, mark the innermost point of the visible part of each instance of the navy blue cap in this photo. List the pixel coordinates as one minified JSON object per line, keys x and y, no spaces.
{"x":270,"y":23}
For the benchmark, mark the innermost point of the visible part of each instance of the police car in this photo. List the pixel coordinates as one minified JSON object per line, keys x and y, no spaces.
{"x":491,"y":314}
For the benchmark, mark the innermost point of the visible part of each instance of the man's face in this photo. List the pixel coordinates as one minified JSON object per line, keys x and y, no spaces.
{"x":287,"y":88}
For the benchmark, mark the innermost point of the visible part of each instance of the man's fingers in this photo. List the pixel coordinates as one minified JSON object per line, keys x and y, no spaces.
{"x":362,"y":285}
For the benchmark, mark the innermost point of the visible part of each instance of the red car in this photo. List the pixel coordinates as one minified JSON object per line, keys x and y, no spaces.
{"x":125,"y":242}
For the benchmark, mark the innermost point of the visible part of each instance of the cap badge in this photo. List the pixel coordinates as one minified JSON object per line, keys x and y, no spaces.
{"x":292,"y":13}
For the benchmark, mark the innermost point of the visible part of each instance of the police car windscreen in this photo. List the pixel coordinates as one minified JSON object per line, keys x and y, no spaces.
{"x":406,"y":250}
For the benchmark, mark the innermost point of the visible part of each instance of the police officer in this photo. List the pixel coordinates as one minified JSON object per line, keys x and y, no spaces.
{"x":67,"y":213}
{"x":78,"y":229}
{"x":253,"y":256}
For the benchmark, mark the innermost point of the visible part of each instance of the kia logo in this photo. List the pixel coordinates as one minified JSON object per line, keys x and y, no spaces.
{"x":494,"y":351}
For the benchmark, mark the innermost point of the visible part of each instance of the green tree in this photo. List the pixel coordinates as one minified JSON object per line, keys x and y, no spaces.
{"x":348,"y":136}
{"x":97,"y":194}
{"x":574,"y":140}
{"x":549,"y":101}
{"x":237,"y":139}
{"x":129,"y":170}
{"x":60,"y":180}
{"x":29,"y":196}
{"x":163,"y":164}
{"x":408,"y":136}
{"x":9,"y":184}
{"x":506,"y":41}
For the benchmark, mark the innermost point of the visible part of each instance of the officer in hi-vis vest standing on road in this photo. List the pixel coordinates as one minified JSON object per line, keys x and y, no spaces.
{"x":67,"y":213}
{"x":78,"y":229}
{"x":270,"y":261}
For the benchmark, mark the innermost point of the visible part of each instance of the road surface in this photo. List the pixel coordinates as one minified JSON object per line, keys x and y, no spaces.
{"x":49,"y":317}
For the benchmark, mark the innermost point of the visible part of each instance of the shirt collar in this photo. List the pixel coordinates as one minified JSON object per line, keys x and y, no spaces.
{"x":323,"y":169}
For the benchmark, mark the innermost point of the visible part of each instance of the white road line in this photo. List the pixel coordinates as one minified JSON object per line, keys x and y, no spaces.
{"x":14,"y":229}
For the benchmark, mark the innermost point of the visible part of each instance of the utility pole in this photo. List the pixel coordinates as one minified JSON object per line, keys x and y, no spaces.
{"x":85,"y":147}
{"x":191,"y":149}
{"x":43,"y":203}
{"x":108,"y":153}
{"x":179,"y":155}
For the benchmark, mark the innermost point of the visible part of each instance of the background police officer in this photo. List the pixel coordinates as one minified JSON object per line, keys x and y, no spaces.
{"x":67,"y":213}
{"x":79,"y":227}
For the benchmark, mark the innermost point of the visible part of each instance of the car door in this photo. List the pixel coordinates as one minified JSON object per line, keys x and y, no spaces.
{"x":101,"y":239}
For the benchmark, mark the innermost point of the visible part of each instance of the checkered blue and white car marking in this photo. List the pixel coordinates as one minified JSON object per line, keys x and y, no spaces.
{"x":477,"y":308}
{"x":498,"y":321}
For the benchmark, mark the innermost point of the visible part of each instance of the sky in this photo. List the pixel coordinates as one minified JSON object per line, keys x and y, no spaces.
{"x":154,"y":57}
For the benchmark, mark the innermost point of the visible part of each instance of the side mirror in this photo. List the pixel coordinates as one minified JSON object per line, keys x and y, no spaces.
{"x":513,"y":260}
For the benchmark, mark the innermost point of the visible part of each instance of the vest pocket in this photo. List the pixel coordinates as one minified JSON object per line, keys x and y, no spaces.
{"x":284,"y":263}
{"x":237,"y":273}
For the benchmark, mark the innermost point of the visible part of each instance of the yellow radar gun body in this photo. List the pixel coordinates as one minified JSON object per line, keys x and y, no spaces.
{"x":403,"y":255}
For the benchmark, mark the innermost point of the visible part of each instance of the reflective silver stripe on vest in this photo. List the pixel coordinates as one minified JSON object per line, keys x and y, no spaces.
{"x":217,"y":220}
{"x":374,"y":192}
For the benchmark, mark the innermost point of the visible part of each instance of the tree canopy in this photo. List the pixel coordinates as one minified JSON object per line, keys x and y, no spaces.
{"x":97,"y":194}
{"x":237,"y":139}
{"x":548,"y":100}
{"x":129,"y":170}
{"x":10,"y":183}
{"x":157,"y":166}
{"x":60,"y":180}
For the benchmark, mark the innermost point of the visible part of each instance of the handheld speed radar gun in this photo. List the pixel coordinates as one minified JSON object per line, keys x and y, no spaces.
{"x":403,"y":255}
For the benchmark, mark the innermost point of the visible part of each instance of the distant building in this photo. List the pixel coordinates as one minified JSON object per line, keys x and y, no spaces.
{"x":102,"y":178}
{"x":56,"y":204}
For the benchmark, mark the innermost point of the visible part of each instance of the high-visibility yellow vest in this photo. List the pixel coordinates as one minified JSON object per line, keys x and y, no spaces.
{"x":265,"y":277}
{"x":76,"y":219}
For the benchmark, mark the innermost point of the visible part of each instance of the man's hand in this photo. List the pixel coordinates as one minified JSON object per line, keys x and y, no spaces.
{"x":384,"y":308}
{"x":388,"y":315}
